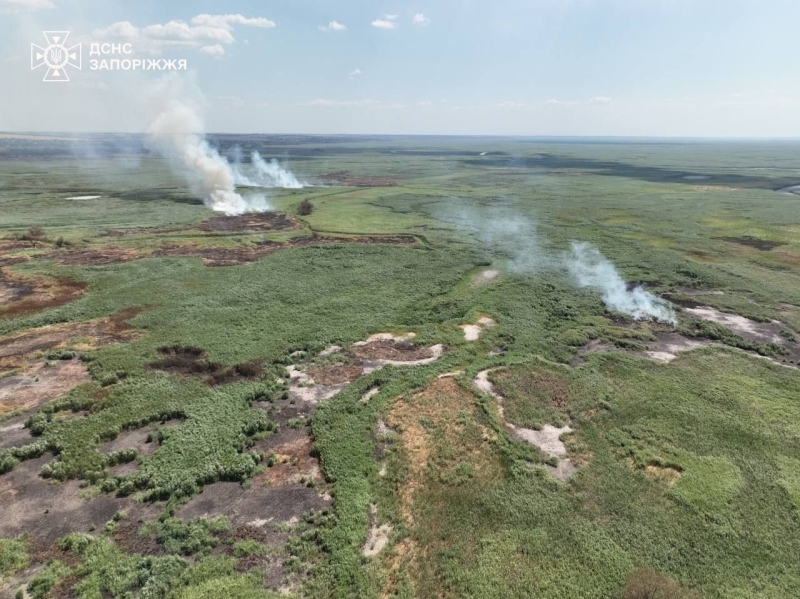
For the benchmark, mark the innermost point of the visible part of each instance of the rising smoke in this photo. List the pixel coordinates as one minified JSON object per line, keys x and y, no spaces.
{"x":505,"y":232}
{"x":177,"y":131}
{"x":266,"y":174}
{"x":590,"y":268}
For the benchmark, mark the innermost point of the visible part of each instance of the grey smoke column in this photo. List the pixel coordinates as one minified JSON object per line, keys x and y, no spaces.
{"x":590,"y":268}
{"x":177,"y":131}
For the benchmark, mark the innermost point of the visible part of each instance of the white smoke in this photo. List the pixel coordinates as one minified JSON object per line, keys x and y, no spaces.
{"x":591,"y":269}
{"x":267,"y":174}
{"x":177,"y":131}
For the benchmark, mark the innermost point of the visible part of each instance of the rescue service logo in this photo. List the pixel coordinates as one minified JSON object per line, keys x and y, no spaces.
{"x":56,"y":56}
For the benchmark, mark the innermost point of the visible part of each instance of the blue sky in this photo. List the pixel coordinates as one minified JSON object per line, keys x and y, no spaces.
{"x":510,"y":67}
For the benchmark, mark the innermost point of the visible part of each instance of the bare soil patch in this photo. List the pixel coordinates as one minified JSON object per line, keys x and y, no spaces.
{"x":754,"y":242}
{"x":113,"y":329}
{"x":134,"y":439}
{"x":302,"y":387}
{"x":48,"y":511}
{"x":95,"y":256}
{"x":40,"y":384}
{"x":13,"y":432}
{"x":25,"y":295}
{"x":255,"y":507}
{"x":334,"y":374}
{"x":349,"y":180}
{"x":296,"y":463}
{"x":394,"y":349}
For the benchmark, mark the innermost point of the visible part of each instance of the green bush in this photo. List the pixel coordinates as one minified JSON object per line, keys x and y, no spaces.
{"x":13,"y":557}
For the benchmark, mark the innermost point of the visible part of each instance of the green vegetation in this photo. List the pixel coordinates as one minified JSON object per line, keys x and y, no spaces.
{"x":688,"y":480}
{"x":13,"y":557}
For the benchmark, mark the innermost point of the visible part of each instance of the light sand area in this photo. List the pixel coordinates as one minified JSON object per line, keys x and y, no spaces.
{"x":472,"y":332}
{"x":750,"y":329}
{"x":377,"y":351}
{"x":548,"y":439}
{"x":377,"y":537}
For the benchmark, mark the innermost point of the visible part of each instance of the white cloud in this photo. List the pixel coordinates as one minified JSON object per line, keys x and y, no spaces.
{"x":385,"y":22}
{"x":424,"y":103}
{"x":511,"y":104}
{"x":324,"y":103}
{"x":230,"y":20}
{"x":597,"y":101}
{"x":333,"y":26}
{"x":354,"y":74}
{"x":205,"y":32}
{"x":215,"y":51}
{"x":421,"y":20}
{"x":26,"y":4}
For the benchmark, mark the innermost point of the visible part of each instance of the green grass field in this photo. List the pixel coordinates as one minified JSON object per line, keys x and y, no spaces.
{"x":688,"y":471}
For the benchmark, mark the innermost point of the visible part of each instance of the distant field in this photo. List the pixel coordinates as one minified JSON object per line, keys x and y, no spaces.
{"x":192,"y":405}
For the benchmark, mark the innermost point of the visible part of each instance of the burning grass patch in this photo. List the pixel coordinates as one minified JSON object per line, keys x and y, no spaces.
{"x":253,"y":222}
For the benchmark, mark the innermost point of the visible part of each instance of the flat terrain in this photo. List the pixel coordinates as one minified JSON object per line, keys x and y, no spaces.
{"x":402,"y":392}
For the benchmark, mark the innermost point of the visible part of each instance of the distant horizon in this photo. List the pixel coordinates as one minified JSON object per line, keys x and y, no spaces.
{"x":421,"y":135}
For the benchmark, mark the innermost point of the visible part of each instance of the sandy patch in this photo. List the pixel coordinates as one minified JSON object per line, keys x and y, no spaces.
{"x":668,"y":345}
{"x":41,"y":383}
{"x":484,"y":277}
{"x":472,"y":332}
{"x":303,"y":388}
{"x":377,"y":537}
{"x":449,"y":375}
{"x":747,"y":328}
{"x":372,"y":392}
{"x":548,"y":440}
{"x":664,"y":349}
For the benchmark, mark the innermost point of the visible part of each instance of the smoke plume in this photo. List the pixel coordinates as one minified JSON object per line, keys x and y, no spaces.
{"x":267,"y":174}
{"x":177,"y":131}
{"x":590,"y":268}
